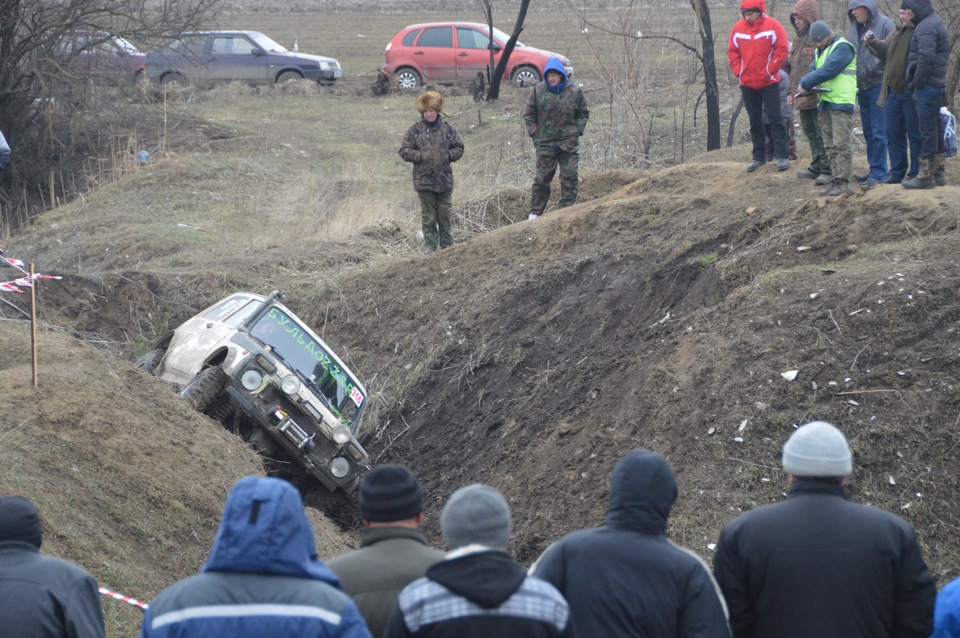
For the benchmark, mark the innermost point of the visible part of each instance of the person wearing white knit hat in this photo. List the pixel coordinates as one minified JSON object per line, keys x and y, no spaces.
{"x":818,"y":564}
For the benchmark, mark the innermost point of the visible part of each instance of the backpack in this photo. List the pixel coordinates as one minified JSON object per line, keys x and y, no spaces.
{"x":949,"y":122}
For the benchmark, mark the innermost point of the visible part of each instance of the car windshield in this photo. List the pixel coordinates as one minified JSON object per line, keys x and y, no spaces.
{"x":502,"y":37}
{"x":126,"y":46}
{"x":293,"y":343}
{"x":266,"y":43}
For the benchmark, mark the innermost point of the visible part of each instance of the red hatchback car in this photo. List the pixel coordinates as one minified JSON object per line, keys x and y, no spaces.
{"x":451,"y":52}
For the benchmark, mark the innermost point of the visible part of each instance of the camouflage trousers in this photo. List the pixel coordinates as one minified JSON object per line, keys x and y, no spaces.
{"x":810,"y":125}
{"x":549,"y":156}
{"x":435,"y":218}
{"x":837,"y":128}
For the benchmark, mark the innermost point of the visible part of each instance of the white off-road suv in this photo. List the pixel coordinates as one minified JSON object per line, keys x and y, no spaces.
{"x":253,"y":365}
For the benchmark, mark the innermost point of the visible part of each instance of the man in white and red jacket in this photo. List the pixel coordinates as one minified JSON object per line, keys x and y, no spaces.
{"x":757,"y":49}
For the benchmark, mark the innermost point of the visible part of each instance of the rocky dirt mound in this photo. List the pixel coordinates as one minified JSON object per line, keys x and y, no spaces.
{"x":697,"y":311}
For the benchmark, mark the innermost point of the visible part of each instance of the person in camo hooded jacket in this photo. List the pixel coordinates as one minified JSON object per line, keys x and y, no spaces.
{"x":432,"y":145}
{"x":556,"y":115}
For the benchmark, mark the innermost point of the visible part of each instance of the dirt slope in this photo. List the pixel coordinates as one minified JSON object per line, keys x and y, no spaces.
{"x":662,"y":313}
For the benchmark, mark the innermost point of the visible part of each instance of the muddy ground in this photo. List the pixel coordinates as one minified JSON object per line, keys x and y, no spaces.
{"x":661,"y":312}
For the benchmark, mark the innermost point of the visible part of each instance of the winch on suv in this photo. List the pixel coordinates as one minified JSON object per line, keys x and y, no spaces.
{"x":253,"y":365}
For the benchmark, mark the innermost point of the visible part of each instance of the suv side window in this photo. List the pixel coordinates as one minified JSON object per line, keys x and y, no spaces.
{"x":236,"y":309}
{"x":410,"y":37}
{"x":436,"y":37}
{"x":468,"y":38}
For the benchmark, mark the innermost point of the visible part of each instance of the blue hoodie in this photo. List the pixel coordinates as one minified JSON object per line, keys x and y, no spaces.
{"x":554,"y":64}
{"x":263,"y":577}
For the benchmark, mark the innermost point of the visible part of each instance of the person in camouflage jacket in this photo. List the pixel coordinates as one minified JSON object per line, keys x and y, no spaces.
{"x":556,"y":115}
{"x":432,"y":145}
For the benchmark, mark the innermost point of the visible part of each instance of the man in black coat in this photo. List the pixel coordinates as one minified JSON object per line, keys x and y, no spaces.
{"x":41,"y":596}
{"x":626,"y":579}
{"x":926,"y":75}
{"x":818,"y":564}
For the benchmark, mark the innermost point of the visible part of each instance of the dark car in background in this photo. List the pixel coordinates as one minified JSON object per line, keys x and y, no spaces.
{"x":208,"y":57}
{"x":453,"y":52}
{"x":98,"y":54}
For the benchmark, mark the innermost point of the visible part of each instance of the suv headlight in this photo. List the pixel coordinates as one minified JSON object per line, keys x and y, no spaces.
{"x":341,"y":434}
{"x":339,"y":467}
{"x":251,"y":380}
{"x":290,"y":384}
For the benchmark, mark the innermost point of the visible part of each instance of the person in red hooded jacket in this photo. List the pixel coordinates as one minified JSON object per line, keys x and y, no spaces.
{"x":757,"y":49}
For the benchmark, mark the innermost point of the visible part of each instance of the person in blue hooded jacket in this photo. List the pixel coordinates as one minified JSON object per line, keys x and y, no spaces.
{"x":555,"y":115}
{"x":626,"y":579}
{"x":263,"y":577}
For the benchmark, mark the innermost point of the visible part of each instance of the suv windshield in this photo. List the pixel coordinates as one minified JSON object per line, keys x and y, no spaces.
{"x":293,"y":343}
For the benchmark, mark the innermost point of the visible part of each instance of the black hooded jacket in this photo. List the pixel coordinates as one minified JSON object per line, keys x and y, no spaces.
{"x":929,"y":52}
{"x":41,"y":596}
{"x":817,"y":565}
{"x":625,"y":578}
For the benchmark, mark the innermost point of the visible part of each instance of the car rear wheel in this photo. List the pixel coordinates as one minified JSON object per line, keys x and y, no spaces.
{"x":149,"y":361}
{"x":204,"y":388}
{"x":288,"y":76}
{"x":525,"y":76}
{"x":173,"y":78}
{"x":408,"y":78}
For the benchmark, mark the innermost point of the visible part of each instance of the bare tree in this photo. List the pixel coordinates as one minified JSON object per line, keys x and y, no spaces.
{"x":494,"y":92}
{"x":624,"y":26}
{"x":46,"y":101}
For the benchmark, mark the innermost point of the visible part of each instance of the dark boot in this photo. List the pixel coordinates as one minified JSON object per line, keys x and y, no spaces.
{"x":839,"y":187}
{"x":939,"y":172}
{"x":924,"y":178}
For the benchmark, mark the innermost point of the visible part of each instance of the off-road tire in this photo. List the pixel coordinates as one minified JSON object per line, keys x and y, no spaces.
{"x":149,"y":361}
{"x":204,"y":388}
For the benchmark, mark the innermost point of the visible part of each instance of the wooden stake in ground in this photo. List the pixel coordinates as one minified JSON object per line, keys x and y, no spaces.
{"x":33,"y":322}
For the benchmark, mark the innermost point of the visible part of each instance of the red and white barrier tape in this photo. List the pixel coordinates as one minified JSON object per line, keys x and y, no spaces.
{"x":14,"y":285}
{"x":126,"y":599}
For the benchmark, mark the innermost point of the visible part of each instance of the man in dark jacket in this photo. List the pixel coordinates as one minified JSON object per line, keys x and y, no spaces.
{"x":556,"y":116}
{"x":805,"y":13}
{"x":865,"y":18}
{"x":479,"y":591}
{"x":926,"y":76}
{"x":262,"y":579}
{"x":819,"y":565}
{"x":432,"y":145}
{"x":393,"y":551}
{"x":626,"y":579}
{"x":41,"y":596}
{"x":900,"y":121}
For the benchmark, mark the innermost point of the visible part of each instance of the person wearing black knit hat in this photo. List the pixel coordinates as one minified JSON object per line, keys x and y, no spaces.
{"x":818,"y":564}
{"x":41,"y":596}
{"x":393,"y":551}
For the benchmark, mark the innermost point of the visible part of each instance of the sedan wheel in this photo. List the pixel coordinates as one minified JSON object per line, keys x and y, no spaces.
{"x":288,"y":76}
{"x":526,"y":76}
{"x":408,"y":79}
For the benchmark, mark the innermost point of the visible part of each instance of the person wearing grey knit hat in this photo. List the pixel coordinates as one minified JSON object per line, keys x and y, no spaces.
{"x":393,"y":551}
{"x":778,"y":565}
{"x":479,"y":590}
{"x":820,"y":31}
{"x":817,"y":449}
{"x":41,"y":596}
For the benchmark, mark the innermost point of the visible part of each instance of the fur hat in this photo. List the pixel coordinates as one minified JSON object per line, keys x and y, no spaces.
{"x":476,"y":515}
{"x":817,"y":449}
{"x":389,"y":493}
{"x":20,"y":521}
{"x":820,"y":31}
{"x":430,"y":100}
